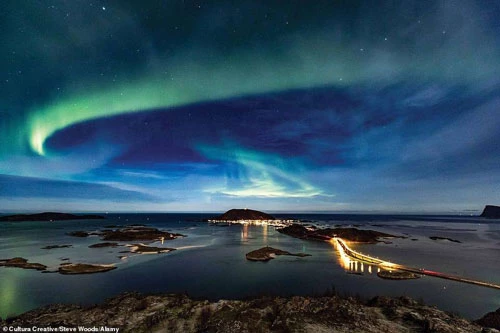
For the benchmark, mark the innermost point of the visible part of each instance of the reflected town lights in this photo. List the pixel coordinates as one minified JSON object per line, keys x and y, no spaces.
{"x":244,"y":232}
{"x":273,"y":223}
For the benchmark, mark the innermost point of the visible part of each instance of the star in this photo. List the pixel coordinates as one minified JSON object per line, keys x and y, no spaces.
{"x":233,"y":70}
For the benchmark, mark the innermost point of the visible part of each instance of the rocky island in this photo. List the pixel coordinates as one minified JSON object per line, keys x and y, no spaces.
{"x":48,"y":216}
{"x":243,"y":214}
{"x":350,"y":234}
{"x":50,"y":247}
{"x":131,"y":233}
{"x":397,"y":275}
{"x":136,"y":233}
{"x":491,"y":212}
{"x":145,"y":249}
{"x":137,"y":313}
{"x":84,"y":268}
{"x":66,"y":268}
{"x":445,"y":239}
{"x":21,"y":263}
{"x":101,"y":245}
{"x":267,"y":253}
{"x":79,"y":233}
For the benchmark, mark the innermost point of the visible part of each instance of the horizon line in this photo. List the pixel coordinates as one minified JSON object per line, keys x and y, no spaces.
{"x":465,"y":212}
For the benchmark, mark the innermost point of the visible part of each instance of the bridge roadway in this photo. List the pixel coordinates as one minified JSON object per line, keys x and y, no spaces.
{"x":389,"y":265}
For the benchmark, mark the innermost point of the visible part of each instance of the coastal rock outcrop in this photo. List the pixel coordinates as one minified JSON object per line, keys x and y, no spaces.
{"x":177,"y":313}
{"x":50,"y":247}
{"x":243,"y":214}
{"x":397,"y":275}
{"x":137,"y":233}
{"x":267,"y":253}
{"x":84,"y":268}
{"x":101,"y":245}
{"x":48,"y":216}
{"x":491,"y":319}
{"x":78,"y":233}
{"x":22,"y":263}
{"x":350,"y":234}
{"x":445,"y":239}
{"x":491,"y":212}
{"x":145,"y":249}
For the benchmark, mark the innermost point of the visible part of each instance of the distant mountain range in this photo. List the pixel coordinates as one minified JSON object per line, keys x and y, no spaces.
{"x":48,"y":216}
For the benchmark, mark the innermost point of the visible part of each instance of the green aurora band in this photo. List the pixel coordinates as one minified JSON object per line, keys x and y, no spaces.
{"x":191,"y":84}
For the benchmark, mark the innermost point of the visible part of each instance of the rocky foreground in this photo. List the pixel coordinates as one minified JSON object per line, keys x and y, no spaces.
{"x":178,"y":313}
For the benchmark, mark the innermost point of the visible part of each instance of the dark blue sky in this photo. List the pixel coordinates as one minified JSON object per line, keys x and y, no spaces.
{"x":210,"y":105}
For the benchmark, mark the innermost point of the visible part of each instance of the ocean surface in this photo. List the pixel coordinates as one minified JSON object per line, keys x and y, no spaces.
{"x":210,"y":261}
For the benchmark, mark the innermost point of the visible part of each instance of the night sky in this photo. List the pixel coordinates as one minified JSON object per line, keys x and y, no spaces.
{"x":273,"y":105}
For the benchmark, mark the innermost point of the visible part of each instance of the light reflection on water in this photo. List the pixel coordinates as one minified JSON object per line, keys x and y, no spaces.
{"x":8,"y":290}
{"x":211,"y":263}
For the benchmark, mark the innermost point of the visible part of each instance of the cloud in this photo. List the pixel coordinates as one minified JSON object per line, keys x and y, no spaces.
{"x":29,"y":187}
{"x":469,"y":138}
{"x":90,"y":156}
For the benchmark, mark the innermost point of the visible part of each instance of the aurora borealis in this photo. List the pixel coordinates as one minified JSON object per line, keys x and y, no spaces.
{"x":280,"y":106}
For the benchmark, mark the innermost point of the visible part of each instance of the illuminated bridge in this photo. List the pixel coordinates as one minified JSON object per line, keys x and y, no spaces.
{"x":346,"y":252}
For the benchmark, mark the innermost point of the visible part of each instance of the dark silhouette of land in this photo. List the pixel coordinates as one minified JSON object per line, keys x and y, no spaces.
{"x":491,"y":319}
{"x":105,"y":244}
{"x":243,"y":214}
{"x":84,"y":268}
{"x":397,"y":275}
{"x":350,"y":234}
{"x":49,"y":216}
{"x":491,"y":212}
{"x":267,"y":253}
{"x":445,"y":238}
{"x":50,"y":247}
{"x":22,"y":263}
{"x":137,"y":233}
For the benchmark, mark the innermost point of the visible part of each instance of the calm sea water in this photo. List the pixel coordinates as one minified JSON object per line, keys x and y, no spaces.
{"x":210,"y":262}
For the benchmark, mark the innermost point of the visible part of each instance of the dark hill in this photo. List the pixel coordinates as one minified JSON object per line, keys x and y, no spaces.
{"x":48,"y":216}
{"x":492,"y":212}
{"x":244,"y":214}
{"x":491,"y":319}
